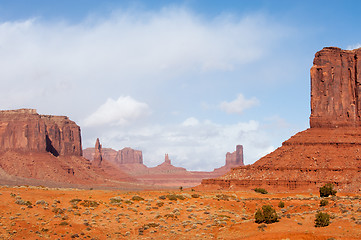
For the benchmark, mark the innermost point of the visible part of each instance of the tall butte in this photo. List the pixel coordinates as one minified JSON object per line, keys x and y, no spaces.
{"x":330,"y":150}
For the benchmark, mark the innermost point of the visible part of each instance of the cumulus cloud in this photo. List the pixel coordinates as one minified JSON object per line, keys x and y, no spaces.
{"x":239,"y":104}
{"x":118,"y":112}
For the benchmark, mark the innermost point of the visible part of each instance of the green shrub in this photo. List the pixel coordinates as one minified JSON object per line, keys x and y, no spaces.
{"x":75,"y":201}
{"x":322,"y":219}
{"x":162,"y":197}
{"x":137,"y":198}
{"x":266,"y":215}
{"x":89,"y":203}
{"x":323,"y":202}
{"x":115,"y":200}
{"x":174,"y":197}
{"x":261,"y":190}
{"x":195,"y":195}
{"x":327,"y":190}
{"x":22,"y":202}
{"x":281,"y":204}
{"x":160,"y":204}
{"x":222,"y":197}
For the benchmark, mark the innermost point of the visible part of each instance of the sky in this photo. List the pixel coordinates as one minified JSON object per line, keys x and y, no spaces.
{"x":190,"y":78}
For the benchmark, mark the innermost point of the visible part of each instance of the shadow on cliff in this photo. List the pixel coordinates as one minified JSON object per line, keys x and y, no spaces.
{"x":50,"y":148}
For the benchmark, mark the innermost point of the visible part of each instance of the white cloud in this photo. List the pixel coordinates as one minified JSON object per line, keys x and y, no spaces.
{"x":190,"y":122}
{"x":126,"y":51}
{"x":239,"y":104}
{"x":354,"y":46}
{"x":118,"y":112}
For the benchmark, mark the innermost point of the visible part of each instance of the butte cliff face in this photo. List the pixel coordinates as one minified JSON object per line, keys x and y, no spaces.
{"x":329,"y":151}
{"x":26,"y":131}
{"x":335,"y":88}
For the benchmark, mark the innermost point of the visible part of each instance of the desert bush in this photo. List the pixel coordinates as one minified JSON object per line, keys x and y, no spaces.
{"x":266,"y":215}
{"x":322,"y":219}
{"x":75,"y":201}
{"x":115,"y":200}
{"x":327,"y":190}
{"x":222,"y":197}
{"x":261,"y":190}
{"x":58,"y":210}
{"x":22,"y":202}
{"x":89,"y":203}
{"x":137,"y":198}
{"x":174,"y":197}
{"x":281,"y":204}
{"x":323,"y":202}
{"x":195,"y":195}
{"x":160,"y":204}
{"x":170,"y":215}
{"x":63,"y":223}
{"x":162,"y":197}
{"x":41,"y":202}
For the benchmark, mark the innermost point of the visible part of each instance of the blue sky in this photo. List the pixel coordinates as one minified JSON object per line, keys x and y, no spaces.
{"x":189,"y":78}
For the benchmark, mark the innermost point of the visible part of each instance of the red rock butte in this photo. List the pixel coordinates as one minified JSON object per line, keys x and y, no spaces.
{"x":330,"y":150}
{"x":27,"y":131}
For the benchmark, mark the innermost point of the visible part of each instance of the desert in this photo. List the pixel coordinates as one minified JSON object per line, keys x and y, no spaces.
{"x":50,"y":213}
{"x":180,"y":120}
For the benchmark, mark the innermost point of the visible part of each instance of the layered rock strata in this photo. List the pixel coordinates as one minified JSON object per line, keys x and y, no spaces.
{"x":328,"y":152}
{"x":26,"y":131}
{"x":47,"y":150}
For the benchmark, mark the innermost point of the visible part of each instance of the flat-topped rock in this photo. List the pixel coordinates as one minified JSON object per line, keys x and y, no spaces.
{"x":27,"y":131}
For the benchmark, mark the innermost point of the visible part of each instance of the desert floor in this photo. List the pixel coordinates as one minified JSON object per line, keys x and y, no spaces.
{"x":44,"y":213}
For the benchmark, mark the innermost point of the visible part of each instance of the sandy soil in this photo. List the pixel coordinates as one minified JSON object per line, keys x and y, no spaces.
{"x":100,"y":214}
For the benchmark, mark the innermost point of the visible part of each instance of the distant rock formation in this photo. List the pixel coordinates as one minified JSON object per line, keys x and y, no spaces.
{"x":234,"y":159}
{"x":165,"y":174}
{"x":129,"y":156}
{"x":27,"y":131}
{"x":328,"y":152}
{"x":98,"y":158}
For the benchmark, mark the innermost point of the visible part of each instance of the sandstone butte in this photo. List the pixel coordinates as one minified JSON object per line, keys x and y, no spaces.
{"x":165,"y":174}
{"x":330,"y":150}
{"x":46,"y":150}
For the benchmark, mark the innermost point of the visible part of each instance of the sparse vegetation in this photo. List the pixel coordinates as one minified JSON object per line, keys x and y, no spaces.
{"x":322,"y":219}
{"x":327,"y":190}
{"x":281,"y":204}
{"x":89,"y":203}
{"x":323,"y":202}
{"x":266,"y":215}
{"x":137,"y":198}
{"x":115,"y":200}
{"x":195,"y":195}
{"x":175,"y":197}
{"x":222,"y":197}
{"x":261,"y":190}
{"x":22,"y":202}
{"x":75,"y":201}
